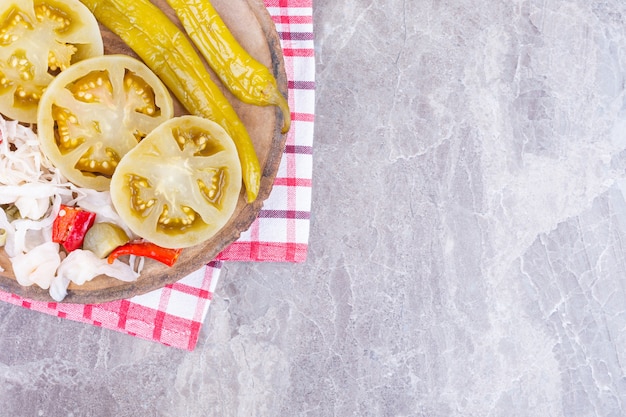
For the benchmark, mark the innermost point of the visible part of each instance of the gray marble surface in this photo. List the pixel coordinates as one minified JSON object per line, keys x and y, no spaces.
{"x":467,"y":252}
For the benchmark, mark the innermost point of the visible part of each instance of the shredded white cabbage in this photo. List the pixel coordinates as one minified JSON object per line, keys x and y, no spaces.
{"x":34,"y":266}
{"x":31,"y":184}
{"x":81,"y":266}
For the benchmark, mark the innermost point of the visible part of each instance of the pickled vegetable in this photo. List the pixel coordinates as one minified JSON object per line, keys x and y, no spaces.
{"x":166,"y":49}
{"x":103,"y":237}
{"x":93,"y":113}
{"x":245,"y":77}
{"x":38,"y":39}
{"x":167,"y":256}
{"x":180,"y":185}
{"x":70,"y":226}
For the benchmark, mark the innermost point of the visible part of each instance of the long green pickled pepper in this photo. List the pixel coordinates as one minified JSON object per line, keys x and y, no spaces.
{"x":167,"y":51}
{"x":248,"y":80}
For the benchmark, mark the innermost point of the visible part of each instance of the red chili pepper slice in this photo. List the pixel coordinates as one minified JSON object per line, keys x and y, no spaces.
{"x":71,"y":225}
{"x":166,"y":256}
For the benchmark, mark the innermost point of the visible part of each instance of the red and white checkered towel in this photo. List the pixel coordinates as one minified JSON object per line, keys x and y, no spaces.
{"x":174,"y":315}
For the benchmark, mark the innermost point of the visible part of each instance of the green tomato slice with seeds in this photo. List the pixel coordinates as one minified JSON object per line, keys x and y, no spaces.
{"x":39,"y":39}
{"x":180,"y":185}
{"x":96,"y":111}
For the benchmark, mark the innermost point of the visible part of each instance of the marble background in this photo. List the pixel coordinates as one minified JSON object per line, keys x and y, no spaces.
{"x":467,"y":252}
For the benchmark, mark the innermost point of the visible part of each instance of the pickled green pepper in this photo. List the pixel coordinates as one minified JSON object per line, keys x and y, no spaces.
{"x":245,"y":77}
{"x":167,"y":51}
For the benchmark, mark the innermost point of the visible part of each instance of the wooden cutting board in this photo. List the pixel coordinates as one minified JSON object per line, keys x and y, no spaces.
{"x":251,"y":24}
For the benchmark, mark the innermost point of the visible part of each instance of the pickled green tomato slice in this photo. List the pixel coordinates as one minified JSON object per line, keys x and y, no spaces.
{"x":38,"y":39}
{"x":180,"y":185}
{"x":96,"y":111}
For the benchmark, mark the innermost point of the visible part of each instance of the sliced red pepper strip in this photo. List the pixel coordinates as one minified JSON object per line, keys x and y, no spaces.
{"x":166,"y":256}
{"x":70,"y":226}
